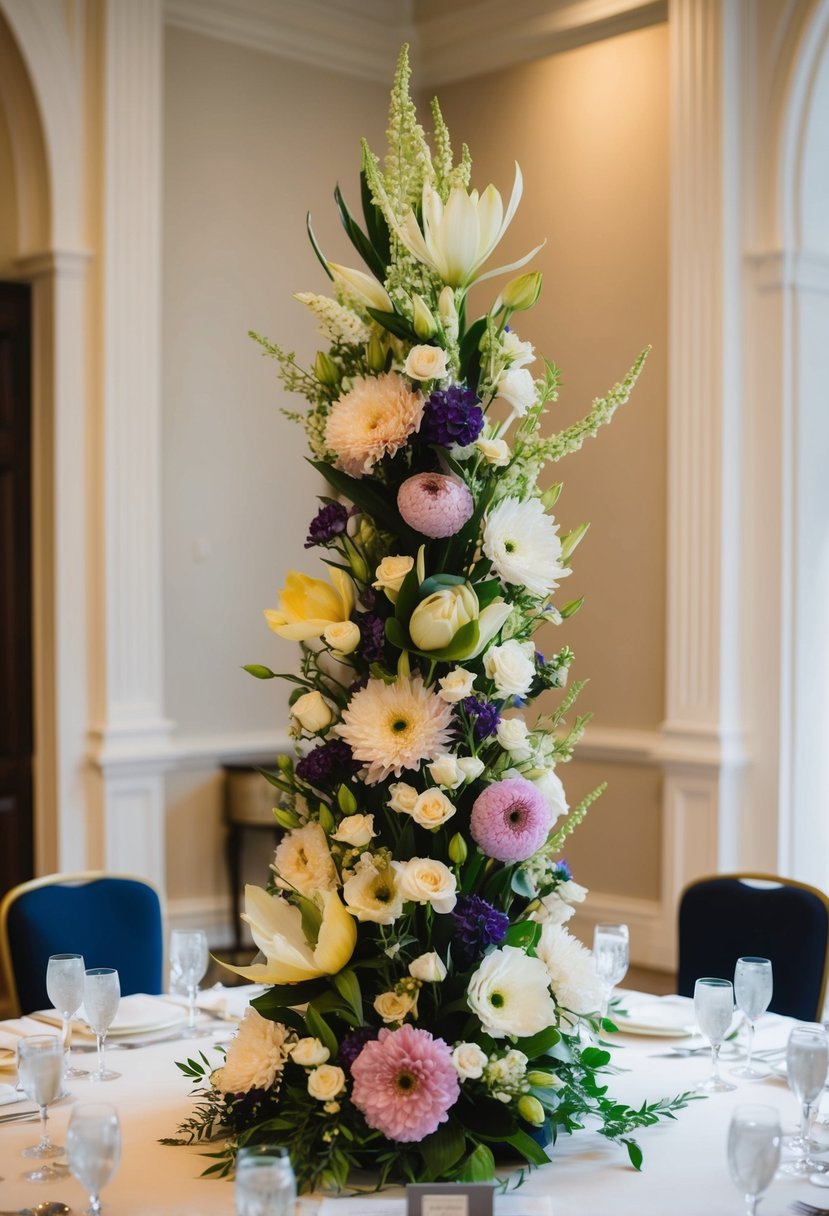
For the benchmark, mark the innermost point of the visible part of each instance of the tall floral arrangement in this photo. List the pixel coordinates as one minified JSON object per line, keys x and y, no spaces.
{"x":425,"y":1003}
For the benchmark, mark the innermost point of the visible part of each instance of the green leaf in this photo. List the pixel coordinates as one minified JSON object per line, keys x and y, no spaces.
{"x":376,"y":226}
{"x":439,"y":582}
{"x":408,"y":597}
{"x":315,"y":245}
{"x":397,"y":635}
{"x":521,"y":884}
{"x":461,"y":646}
{"x":442,"y":1149}
{"x":394,"y":323}
{"x":259,"y":671}
{"x":487,"y":1118}
{"x":311,"y":918}
{"x":487,"y":592}
{"x":595,"y":1057}
{"x":528,"y":1148}
{"x":281,"y":995}
{"x":471,"y":341}
{"x":320,"y":1029}
{"x":634,"y":1152}
{"x":348,"y":986}
{"x":572,"y":608}
{"x":369,"y":498}
{"x":539,"y":1044}
{"x":359,"y":239}
{"x":479,"y":1166}
{"x":525,"y":934}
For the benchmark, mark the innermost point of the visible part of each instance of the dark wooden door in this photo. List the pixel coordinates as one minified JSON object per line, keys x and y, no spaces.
{"x":15,"y":588}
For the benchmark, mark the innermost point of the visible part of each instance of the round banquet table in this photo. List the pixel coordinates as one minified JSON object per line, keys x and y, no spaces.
{"x":684,"y":1172}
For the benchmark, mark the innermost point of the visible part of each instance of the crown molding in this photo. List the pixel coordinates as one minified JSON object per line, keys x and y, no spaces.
{"x":362,"y":37}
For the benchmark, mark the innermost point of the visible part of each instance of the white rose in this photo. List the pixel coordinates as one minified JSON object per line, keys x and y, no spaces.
{"x":356,"y":830}
{"x":403,"y":797}
{"x":519,"y":353}
{"x":312,"y":712}
{"x":427,"y":881}
{"x":456,"y":685}
{"x":552,"y":910}
{"x":494,"y":451}
{"x":432,"y":808}
{"x":510,"y":994}
{"x":471,"y":767}
{"x":469,"y":1060}
{"x":444,"y":771}
{"x":342,"y":636}
{"x":255,"y":1056}
{"x":429,"y":968}
{"x":393,"y":1006}
{"x":549,"y":783}
{"x":513,"y":735}
{"x":425,"y":363}
{"x":390,"y":574}
{"x":511,"y":666}
{"x":325,"y":1082}
{"x":517,"y":387}
{"x":309,"y":1053}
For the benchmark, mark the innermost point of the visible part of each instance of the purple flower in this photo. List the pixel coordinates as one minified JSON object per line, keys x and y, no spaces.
{"x":373,"y":635}
{"x":353,"y":1044}
{"x":510,"y":819}
{"x":331,"y":762}
{"x":484,"y":715}
{"x":562,"y":871}
{"x":477,"y":926}
{"x":452,"y":415}
{"x":329,"y":521}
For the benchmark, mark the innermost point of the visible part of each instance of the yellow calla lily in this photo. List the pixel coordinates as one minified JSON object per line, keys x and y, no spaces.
{"x":276,"y":926}
{"x":307,"y":606}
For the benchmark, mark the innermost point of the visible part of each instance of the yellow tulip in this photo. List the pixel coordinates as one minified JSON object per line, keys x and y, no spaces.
{"x":276,"y":926}
{"x":307,"y":606}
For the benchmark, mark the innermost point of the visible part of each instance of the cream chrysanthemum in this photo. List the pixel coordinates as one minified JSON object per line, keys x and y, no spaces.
{"x":372,"y":421}
{"x":255,"y":1057}
{"x":390,"y":727}
{"x":523,"y":544}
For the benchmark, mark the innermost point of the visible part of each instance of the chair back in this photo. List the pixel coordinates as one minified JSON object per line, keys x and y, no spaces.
{"x":729,"y":916}
{"x":112,"y":920}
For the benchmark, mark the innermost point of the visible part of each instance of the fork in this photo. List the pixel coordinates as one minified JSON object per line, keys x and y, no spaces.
{"x":807,"y":1209}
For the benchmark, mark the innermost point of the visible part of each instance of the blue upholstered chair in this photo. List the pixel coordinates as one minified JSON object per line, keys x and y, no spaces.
{"x":112,"y":920}
{"x":727,"y":916}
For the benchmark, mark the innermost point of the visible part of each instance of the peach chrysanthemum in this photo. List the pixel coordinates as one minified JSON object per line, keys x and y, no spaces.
{"x":390,"y":727}
{"x":372,"y":421}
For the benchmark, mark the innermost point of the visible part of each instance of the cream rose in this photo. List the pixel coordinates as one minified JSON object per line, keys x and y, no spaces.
{"x":469,"y":1060}
{"x":403,"y":797}
{"x":511,"y":667}
{"x":456,"y":685}
{"x":432,"y":808}
{"x":390,"y":574}
{"x":312,"y":712}
{"x":343,"y":637}
{"x":517,"y":387}
{"x":429,"y":968}
{"x":513,"y":735}
{"x":309,"y":1053}
{"x":356,"y":830}
{"x":437,"y":619}
{"x":325,"y":1082}
{"x":425,"y":363}
{"x":394,"y":1006}
{"x":471,"y":767}
{"x":444,"y":771}
{"x":427,"y":881}
{"x":494,"y":451}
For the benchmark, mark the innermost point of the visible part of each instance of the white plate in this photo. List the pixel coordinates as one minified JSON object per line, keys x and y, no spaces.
{"x":658,"y":1019}
{"x":137,"y":1014}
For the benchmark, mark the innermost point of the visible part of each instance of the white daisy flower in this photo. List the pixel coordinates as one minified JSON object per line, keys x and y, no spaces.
{"x":523,"y":544}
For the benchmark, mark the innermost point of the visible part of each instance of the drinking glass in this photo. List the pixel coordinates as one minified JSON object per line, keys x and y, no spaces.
{"x":40,"y":1062}
{"x":265,"y":1183}
{"x":93,"y":1145}
{"x":64,"y":987}
{"x":714,"y":1009}
{"x":807,"y":1061}
{"x":752,"y":992}
{"x":611,"y":955}
{"x":101,"y":998}
{"x":753,"y":1151}
{"x":188,"y":956}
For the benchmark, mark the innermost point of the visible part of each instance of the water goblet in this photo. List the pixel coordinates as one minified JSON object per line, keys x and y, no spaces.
{"x":64,"y":987}
{"x":188,"y":956}
{"x":93,"y":1145}
{"x":265,"y":1183}
{"x":40,"y":1062}
{"x":807,"y":1062}
{"x":714,"y":1009}
{"x":753,"y":1151}
{"x":752,"y":992}
{"x":101,"y":998}
{"x":611,"y":956}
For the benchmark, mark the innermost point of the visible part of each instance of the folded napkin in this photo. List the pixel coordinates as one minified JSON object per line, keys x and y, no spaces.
{"x":136,"y":1014}
{"x":8,"y":1094}
{"x":227,"y":1003}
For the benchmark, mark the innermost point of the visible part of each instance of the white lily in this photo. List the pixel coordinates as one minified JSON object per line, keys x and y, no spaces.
{"x":364,"y":286}
{"x":276,"y":926}
{"x":459,"y":237}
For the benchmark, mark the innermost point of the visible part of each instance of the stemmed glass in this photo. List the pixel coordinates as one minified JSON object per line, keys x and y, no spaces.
{"x":752,"y":992}
{"x":101,"y":998}
{"x":753,"y":1151}
{"x":188,"y":956}
{"x":40,"y":1062}
{"x":93,"y":1145}
{"x":807,"y":1061}
{"x":611,"y":956}
{"x":64,"y":987}
{"x":714,"y":1009}
{"x":265,"y":1183}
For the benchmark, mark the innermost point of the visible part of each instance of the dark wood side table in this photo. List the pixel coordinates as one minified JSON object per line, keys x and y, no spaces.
{"x":248,"y":807}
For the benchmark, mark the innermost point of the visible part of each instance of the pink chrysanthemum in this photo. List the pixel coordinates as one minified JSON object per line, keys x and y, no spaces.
{"x":510,"y":820}
{"x":405,"y":1083}
{"x":390,"y":727}
{"x":372,"y":421}
{"x":434,"y":504}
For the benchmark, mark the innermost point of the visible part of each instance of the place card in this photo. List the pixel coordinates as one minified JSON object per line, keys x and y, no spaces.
{"x":449,"y":1199}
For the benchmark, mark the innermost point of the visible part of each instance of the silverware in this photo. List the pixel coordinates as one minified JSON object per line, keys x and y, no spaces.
{"x":129,"y":1044}
{"x":807,"y":1209}
{"x":49,"y":1207}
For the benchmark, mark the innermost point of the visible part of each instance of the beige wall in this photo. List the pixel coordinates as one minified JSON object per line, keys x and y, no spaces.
{"x":589,"y":129}
{"x":8,"y":200}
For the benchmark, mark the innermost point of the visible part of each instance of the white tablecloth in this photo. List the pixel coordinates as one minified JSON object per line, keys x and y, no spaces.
{"x":684,"y":1174}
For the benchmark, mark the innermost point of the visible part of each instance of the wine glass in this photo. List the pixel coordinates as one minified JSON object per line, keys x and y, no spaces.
{"x":752,"y":992}
{"x":93,"y":1145}
{"x":611,"y":956}
{"x":807,"y":1061}
{"x":265,"y":1183}
{"x":40,"y":1062}
{"x":101,"y":998}
{"x":188,"y":956}
{"x":64,"y":987}
{"x":714,"y":1009}
{"x":753,"y":1151}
